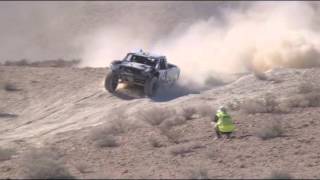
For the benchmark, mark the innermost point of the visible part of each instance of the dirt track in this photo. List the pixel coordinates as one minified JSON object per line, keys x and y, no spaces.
{"x":58,"y":107}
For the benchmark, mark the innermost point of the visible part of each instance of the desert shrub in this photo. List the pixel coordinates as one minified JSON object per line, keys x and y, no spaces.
{"x":212,"y":153}
{"x":188,"y":112}
{"x":167,"y":125}
{"x":118,"y":126}
{"x":155,"y":142}
{"x":7,"y":115}
{"x":11,"y":87}
{"x":213,"y":81}
{"x":104,"y":136}
{"x":6,"y":154}
{"x":181,"y":150}
{"x":184,"y":149}
{"x":107,"y":141}
{"x":172,"y":121}
{"x":311,"y":99}
{"x":297,"y":100}
{"x":266,"y":104}
{"x":253,"y":106}
{"x":199,"y":173}
{"x":82,"y":167}
{"x":155,"y":116}
{"x":44,"y":63}
{"x":280,"y":175}
{"x":308,"y":95}
{"x":270,"y":130}
{"x":305,"y":87}
{"x":22,"y":62}
{"x":44,"y":164}
{"x":233,"y":105}
{"x":206,"y":110}
{"x":173,"y":135}
{"x":260,"y":75}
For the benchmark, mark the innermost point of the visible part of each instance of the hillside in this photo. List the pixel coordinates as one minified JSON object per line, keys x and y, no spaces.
{"x":68,"y":112}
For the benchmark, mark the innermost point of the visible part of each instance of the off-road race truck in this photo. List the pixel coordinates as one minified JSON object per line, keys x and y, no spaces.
{"x":144,"y":69}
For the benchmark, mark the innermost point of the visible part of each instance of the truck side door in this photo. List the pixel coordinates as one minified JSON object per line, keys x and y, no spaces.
{"x":162,"y":70}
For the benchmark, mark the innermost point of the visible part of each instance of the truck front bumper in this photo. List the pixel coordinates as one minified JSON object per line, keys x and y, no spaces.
{"x":133,"y":78}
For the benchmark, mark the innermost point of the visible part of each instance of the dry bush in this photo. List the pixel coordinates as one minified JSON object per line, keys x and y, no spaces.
{"x":107,"y":141}
{"x":212,"y":153}
{"x":298,"y":100}
{"x":181,"y":150}
{"x":11,"y":87}
{"x":173,"y":135}
{"x":270,"y":130}
{"x":199,"y":173}
{"x":311,"y":99}
{"x":260,"y":75}
{"x":308,"y":95}
{"x":155,"y":142}
{"x":7,"y":115}
{"x":267,"y":104}
{"x":234,"y":105}
{"x":44,"y":164}
{"x":6,"y":154}
{"x":44,"y":63}
{"x":184,"y":149}
{"x":172,"y":121}
{"x":213,"y":81}
{"x":188,"y":112}
{"x":206,"y":110}
{"x":104,"y":137}
{"x":22,"y":62}
{"x":305,"y":88}
{"x":155,"y":116}
{"x":280,"y":175}
{"x":253,"y":106}
{"x":118,"y":126}
{"x":82,"y":167}
{"x":167,"y":125}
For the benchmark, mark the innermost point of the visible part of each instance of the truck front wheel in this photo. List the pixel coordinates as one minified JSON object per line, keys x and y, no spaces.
{"x":111,"y":82}
{"x":151,"y":87}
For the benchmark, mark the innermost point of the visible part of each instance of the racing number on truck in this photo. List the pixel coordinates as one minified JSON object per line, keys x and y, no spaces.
{"x":163,"y":75}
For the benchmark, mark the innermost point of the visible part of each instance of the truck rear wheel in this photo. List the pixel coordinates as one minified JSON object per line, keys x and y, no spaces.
{"x":151,"y":87}
{"x":111,"y":82}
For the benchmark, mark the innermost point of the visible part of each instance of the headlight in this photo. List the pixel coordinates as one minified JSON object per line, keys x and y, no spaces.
{"x":148,"y":70}
{"x":114,"y":67}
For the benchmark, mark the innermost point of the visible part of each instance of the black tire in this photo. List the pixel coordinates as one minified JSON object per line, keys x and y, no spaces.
{"x":111,"y":82}
{"x":151,"y":87}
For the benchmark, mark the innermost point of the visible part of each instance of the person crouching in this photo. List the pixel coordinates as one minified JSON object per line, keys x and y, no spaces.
{"x":223,"y":123}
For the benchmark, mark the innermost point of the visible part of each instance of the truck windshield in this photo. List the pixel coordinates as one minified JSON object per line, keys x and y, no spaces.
{"x":140,"y":59}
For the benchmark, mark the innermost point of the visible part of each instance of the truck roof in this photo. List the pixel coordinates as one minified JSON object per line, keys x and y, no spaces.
{"x":147,"y":54}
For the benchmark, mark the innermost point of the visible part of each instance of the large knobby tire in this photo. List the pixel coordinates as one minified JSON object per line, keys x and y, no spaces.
{"x":151,"y":87}
{"x":111,"y":82}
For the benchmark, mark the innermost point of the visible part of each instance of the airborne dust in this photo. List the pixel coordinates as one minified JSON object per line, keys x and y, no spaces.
{"x":262,"y":36}
{"x":202,"y":38}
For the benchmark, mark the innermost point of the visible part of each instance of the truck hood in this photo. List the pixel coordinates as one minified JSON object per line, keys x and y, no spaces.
{"x":135,"y":65}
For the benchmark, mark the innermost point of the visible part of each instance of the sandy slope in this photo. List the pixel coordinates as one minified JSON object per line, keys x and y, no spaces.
{"x":59,"y":107}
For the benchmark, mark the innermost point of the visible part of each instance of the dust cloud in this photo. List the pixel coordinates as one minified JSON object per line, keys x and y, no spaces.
{"x":202,"y":38}
{"x":262,"y":36}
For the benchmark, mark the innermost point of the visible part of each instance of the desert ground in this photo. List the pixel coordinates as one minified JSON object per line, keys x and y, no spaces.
{"x":60,"y":122}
